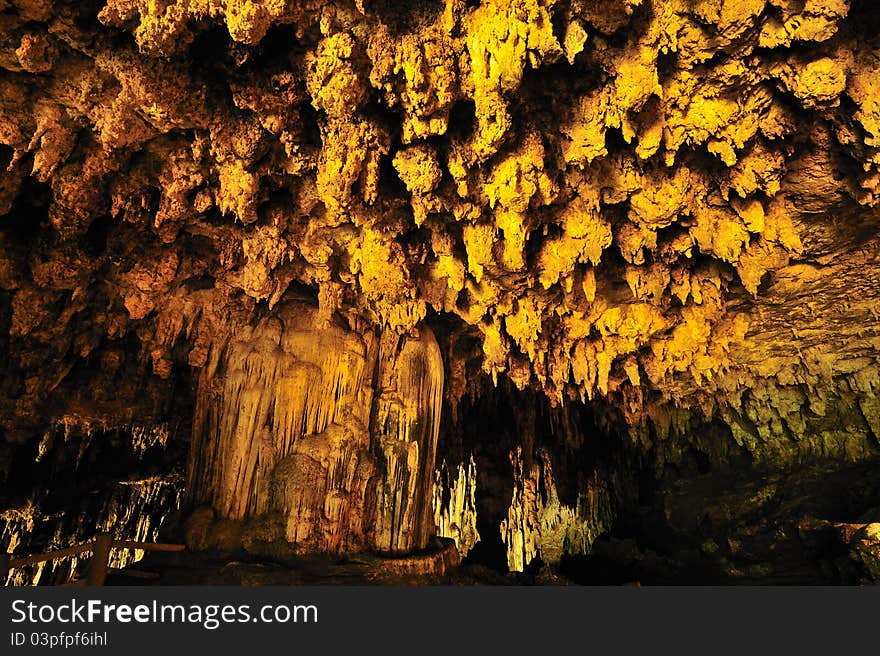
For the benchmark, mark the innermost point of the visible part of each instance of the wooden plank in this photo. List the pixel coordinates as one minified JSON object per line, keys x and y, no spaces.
{"x":51,"y":555}
{"x":147,"y":546}
{"x":100,"y":560}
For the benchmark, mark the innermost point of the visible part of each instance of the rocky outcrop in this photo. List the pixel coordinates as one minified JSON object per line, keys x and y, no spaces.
{"x":131,"y":487}
{"x":331,"y":432}
{"x":253,"y":216}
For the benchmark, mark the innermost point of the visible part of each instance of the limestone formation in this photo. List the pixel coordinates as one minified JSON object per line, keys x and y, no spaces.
{"x":128,"y":507}
{"x":538,"y":524}
{"x":308,"y":233}
{"x":332,"y":432}
{"x":455,"y":506}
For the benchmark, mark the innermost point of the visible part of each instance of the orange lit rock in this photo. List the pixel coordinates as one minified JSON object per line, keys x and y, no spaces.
{"x":666,"y":206}
{"x":329,"y":433}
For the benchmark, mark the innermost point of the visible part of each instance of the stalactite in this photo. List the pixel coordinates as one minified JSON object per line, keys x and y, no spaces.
{"x":333,"y":431}
{"x":129,"y":508}
{"x":135,"y":511}
{"x":455,"y":505}
{"x":18,"y":524}
{"x":140,"y":437}
{"x":538,"y":524}
{"x":260,"y":394}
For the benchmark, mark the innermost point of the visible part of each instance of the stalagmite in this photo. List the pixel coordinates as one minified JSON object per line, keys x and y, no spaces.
{"x":331,"y":432}
{"x":455,"y":507}
{"x":538,"y":524}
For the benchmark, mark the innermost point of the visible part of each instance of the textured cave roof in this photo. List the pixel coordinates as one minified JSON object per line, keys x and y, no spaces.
{"x":667,"y":204}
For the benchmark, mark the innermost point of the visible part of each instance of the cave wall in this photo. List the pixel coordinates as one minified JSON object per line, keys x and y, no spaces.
{"x":79,"y":478}
{"x":666,"y":208}
{"x":330,"y":432}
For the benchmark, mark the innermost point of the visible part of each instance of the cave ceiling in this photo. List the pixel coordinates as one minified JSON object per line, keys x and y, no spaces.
{"x":666,"y":205}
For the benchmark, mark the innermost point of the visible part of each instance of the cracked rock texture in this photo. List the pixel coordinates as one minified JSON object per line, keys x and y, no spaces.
{"x":254,"y":215}
{"x":289,"y":425}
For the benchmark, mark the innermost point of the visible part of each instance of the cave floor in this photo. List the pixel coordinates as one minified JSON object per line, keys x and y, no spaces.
{"x":434,"y":565}
{"x":202,"y":570}
{"x":782,"y":528}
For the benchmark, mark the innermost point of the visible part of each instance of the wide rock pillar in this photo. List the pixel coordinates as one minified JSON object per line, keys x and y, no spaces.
{"x":326,"y":434}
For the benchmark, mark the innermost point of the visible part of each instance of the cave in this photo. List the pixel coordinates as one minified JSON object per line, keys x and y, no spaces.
{"x":527,"y":292}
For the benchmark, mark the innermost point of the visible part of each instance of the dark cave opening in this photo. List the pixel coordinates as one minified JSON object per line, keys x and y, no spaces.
{"x":125,"y":480}
{"x":493,"y":421}
{"x":28,"y":216}
{"x":694,"y":522}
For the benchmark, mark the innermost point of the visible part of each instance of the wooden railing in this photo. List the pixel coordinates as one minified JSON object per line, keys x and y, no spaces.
{"x":99,"y":566}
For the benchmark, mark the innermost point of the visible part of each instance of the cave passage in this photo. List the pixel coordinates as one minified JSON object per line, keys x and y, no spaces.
{"x":456,"y":291}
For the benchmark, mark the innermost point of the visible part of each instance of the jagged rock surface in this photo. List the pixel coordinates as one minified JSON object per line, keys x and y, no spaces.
{"x":131,"y":492}
{"x":664,"y":207}
{"x":332,"y":433}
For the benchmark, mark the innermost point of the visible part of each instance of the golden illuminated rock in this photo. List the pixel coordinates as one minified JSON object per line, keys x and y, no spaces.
{"x":669,"y":207}
{"x":331,"y":434}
